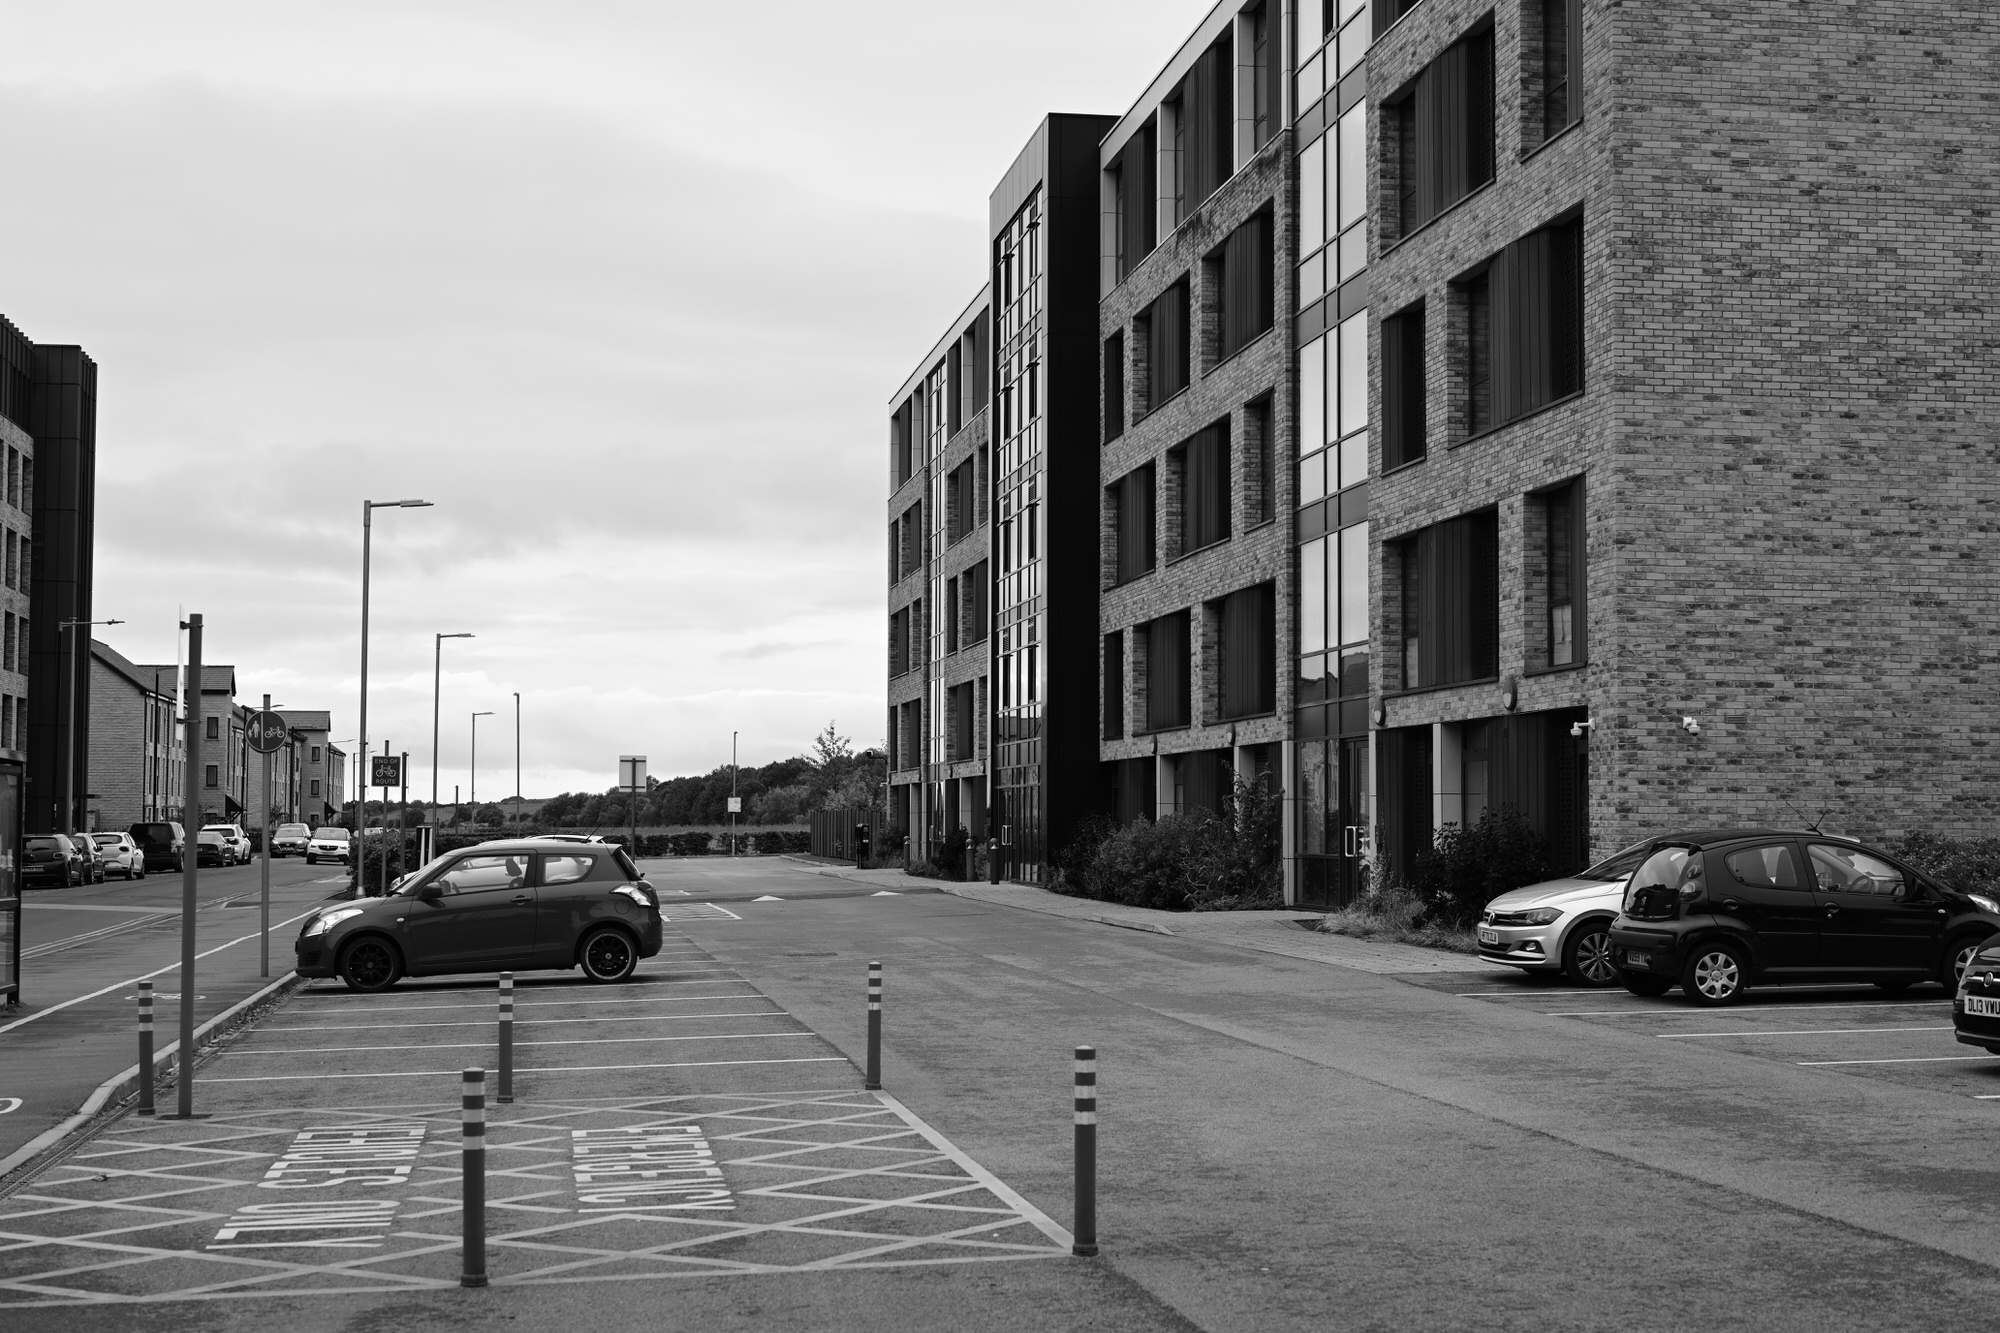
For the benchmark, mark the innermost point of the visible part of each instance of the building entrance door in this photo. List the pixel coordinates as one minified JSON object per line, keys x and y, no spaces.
{"x":1351,"y":817}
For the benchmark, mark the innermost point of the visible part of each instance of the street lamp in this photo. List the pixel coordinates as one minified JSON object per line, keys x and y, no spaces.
{"x":474,"y":802}
{"x":517,"y":756}
{"x":368,"y":508}
{"x":437,"y":679}
{"x":69,"y":732}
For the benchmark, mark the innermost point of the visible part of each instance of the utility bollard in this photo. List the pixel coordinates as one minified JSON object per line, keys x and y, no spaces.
{"x":874,"y":1080}
{"x":506,"y":1089}
{"x":146,"y":1048}
{"x":1086,"y":1152}
{"x":472,"y":1166}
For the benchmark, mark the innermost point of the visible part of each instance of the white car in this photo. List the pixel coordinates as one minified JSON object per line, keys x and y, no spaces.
{"x":235,"y":842}
{"x":1562,"y":926}
{"x":328,"y":844}
{"x":120,"y":854}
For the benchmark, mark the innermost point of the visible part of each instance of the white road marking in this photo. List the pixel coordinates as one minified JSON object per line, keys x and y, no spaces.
{"x":88,"y":907}
{"x":91,"y":936}
{"x":1795,"y":1032}
{"x":1658,"y":1012}
{"x":1523,"y":994}
{"x":571,"y":1041}
{"x":519,"y":1003}
{"x":9,"y":1105}
{"x":540,"y":1022}
{"x":1909,"y":1060}
{"x":550,"y":1069}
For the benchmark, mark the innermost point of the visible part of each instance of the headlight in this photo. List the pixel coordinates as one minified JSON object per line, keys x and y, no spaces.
{"x":1541,"y":916}
{"x":1984,"y":903}
{"x":326,"y":921}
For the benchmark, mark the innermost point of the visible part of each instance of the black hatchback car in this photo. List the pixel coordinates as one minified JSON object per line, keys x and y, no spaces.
{"x":51,"y":861}
{"x":1718,"y":911}
{"x":513,"y":905}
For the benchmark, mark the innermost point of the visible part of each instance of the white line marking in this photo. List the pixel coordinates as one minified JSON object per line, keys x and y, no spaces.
{"x":1657,"y":1012}
{"x":147,"y":976}
{"x":540,"y":1022}
{"x":1795,"y":1032}
{"x":550,"y":1069}
{"x":91,"y":936}
{"x":1522,"y":994}
{"x":1910,"y":1060}
{"x":565,"y":1041}
{"x":92,"y":907}
{"x":519,"y":1003}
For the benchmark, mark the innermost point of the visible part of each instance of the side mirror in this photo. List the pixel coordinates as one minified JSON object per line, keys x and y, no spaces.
{"x":1901,"y":893}
{"x":431,"y":892}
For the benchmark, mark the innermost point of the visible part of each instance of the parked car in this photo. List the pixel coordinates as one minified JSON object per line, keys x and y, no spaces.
{"x":234,"y":838}
{"x":1719,"y":911}
{"x":498,"y":906}
{"x":328,"y":844}
{"x":211,"y":848}
{"x":1975,"y":1008}
{"x":290,"y":840}
{"x":50,"y":861}
{"x":162,"y":842}
{"x":120,"y":855}
{"x":1562,"y":926}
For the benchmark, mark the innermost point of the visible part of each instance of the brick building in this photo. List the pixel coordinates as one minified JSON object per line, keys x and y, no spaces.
{"x":1619,"y":446}
{"x":137,"y":754}
{"x":321,"y":771}
{"x":225,"y":753}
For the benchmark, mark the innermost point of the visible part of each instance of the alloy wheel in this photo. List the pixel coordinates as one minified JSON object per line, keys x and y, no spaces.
{"x":609,"y":956}
{"x":369,"y":965}
{"x":1593,"y":958}
{"x":1718,"y":976}
{"x":1961,"y":960}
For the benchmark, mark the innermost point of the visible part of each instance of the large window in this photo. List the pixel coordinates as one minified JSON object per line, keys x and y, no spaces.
{"x":974,"y":588}
{"x":1560,"y":512}
{"x":1448,"y":602}
{"x":1259,"y":458}
{"x":1201,"y":466}
{"x":1131,"y":499}
{"x":1439,"y":132}
{"x":960,"y":498}
{"x":1333,"y":206}
{"x":1266,"y":76}
{"x":1524,"y":327}
{"x":1341,"y":28}
{"x":1165,"y":322}
{"x":1333,"y":410}
{"x":1167,"y":674}
{"x":1403,"y":387}
{"x":1247,"y":652}
{"x":1559,"y":67}
{"x":1114,"y":386}
{"x":1203,"y":115}
{"x":1113,"y":693}
{"x":1135,"y":193}
{"x":1243,"y":274}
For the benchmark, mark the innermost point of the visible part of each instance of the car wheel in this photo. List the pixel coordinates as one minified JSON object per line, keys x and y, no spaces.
{"x":1587,"y":955}
{"x":607,"y":954}
{"x":1957,"y":955}
{"x":370,"y":964}
{"x":1715,"y":974}
{"x":1644,"y":983}
{"x":312,"y":860}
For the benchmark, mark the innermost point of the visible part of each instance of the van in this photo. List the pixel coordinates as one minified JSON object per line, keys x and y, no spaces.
{"x":161,"y":841}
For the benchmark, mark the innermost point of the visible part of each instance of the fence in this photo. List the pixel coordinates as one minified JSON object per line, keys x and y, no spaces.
{"x":833,"y":831}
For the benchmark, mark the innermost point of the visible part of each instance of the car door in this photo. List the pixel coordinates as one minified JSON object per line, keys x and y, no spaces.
{"x":484,"y":916}
{"x":563,"y":896}
{"x":1873,"y":917}
{"x":1766,"y":889}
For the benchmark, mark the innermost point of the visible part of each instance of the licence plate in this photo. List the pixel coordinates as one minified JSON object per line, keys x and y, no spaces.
{"x":1982,"y":1006}
{"x":1633,"y":958}
{"x":1488,"y":936}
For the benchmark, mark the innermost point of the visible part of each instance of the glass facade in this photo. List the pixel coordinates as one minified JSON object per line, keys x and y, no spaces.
{"x":933,"y":430}
{"x":1020,"y":545}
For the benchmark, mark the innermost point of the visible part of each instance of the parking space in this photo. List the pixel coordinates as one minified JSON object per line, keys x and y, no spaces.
{"x":682,"y":1124}
{"x":1902,"y":1036}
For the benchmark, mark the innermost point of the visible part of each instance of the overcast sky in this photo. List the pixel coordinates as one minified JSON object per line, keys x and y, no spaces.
{"x":623,"y":287}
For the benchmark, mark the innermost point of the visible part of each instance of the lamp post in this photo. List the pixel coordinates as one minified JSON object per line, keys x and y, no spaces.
{"x":69,"y":731}
{"x":437,"y":681}
{"x":517,"y":757}
{"x":368,"y":508}
{"x":474,"y":799}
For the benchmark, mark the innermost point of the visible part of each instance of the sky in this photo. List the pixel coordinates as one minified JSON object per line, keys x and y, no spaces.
{"x":622,"y":288}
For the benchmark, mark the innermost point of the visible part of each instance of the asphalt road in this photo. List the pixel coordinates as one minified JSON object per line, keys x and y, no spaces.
{"x":84,"y":948}
{"x":1285,"y":1144}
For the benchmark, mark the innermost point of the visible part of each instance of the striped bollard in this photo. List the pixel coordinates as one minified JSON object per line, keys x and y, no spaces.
{"x":874,"y":1080}
{"x":1086,"y":1152}
{"x":506,"y":1089}
{"x":472,"y":1166}
{"x":146,"y":1048}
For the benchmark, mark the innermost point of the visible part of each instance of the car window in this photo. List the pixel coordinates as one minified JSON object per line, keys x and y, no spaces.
{"x":1661,"y":870}
{"x":1848,"y":870}
{"x":566,"y":869}
{"x":1618,"y":867}
{"x":471,"y":874}
{"x":1772,"y":867}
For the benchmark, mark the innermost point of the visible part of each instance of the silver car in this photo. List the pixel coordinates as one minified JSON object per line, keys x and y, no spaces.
{"x":120,"y":855}
{"x":1561,"y":926}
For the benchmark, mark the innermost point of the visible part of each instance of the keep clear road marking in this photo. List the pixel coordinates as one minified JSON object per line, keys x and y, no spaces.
{"x":147,"y":976}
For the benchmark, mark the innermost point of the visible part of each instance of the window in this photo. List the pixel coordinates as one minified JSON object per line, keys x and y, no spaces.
{"x":1403,"y":387}
{"x":1839,"y":869}
{"x":214,"y":732}
{"x":315,"y":786}
{"x":1243,"y":270}
{"x":963,"y":512}
{"x":1440,"y":132}
{"x":1166,"y":322}
{"x":951,"y":613}
{"x":1137,"y":195}
{"x":1204,"y":487}
{"x":1167,"y":675}
{"x":1113,"y":694}
{"x":900,"y":461}
{"x":474,"y":874}
{"x":974,"y":583}
{"x":899,"y":642}
{"x":1265,"y":76}
{"x":1561,"y":511}
{"x":315,"y":754}
{"x":1388,"y":11}
{"x":1259,"y":461}
{"x":1133,"y":521}
{"x":1247,"y":656}
{"x":961,"y":722}
{"x":1114,"y":386}
{"x":1203,"y":111}
{"x":1772,"y":867}
{"x":567,"y":868}
{"x":7,"y":721}
{"x":211,"y":775}
{"x":1524,"y":327}
{"x":1561,"y":33}
{"x":1448,"y":603}
{"x":7,"y":645}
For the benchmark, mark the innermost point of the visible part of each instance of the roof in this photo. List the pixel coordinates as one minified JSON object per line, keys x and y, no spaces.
{"x":215,"y":679}
{"x":307,"y":719}
{"x":141,"y":677}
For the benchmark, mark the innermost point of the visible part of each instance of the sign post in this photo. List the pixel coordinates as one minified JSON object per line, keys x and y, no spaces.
{"x":632,"y":777}
{"x":384,"y":771}
{"x":267,"y":734}
{"x":190,"y":861}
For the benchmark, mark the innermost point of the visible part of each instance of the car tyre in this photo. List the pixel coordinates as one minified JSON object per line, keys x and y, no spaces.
{"x":1957,"y":954}
{"x":1644,"y":983}
{"x":1715,"y":974}
{"x":370,"y":964}
{"x":607,"y":954}
{"x":1587,"y":955}
{"x":312,"y":860}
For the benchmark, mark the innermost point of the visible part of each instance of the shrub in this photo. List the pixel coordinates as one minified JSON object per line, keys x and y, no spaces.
{"x":1465,"y":868}
{"x":1192,"y":861}
{"x":1967,"y":864}
{"x":688,"y":844}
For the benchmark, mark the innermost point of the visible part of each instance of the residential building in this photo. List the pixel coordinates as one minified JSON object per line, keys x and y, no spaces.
{"x":321,"y":770}
{"x":225,"y":768}
{"x":137,"y":753}
{"x":1472,"y":407}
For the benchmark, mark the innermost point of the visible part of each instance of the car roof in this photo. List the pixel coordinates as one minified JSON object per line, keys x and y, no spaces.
{"x":532,"y":845}
{"x":1707,"y":837}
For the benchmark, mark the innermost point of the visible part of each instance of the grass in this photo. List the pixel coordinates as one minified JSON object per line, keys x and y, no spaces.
{"x":1396,"y":915}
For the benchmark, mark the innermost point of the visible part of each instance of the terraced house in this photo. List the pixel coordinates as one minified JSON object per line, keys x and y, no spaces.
{"x":1436,"y":407}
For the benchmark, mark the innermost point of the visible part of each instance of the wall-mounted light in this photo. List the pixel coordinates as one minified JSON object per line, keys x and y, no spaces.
{"x":1578,"y":728}
{"x":1510,"y":695}
{"x":1690,"y":726}
{"x":1381,"y":715}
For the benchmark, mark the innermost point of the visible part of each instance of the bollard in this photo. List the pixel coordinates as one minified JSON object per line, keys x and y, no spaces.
{"x":874,"y":1080}
{"x":145,"y":1048}
{"x":506,"y":1089}
{"x":1086,"y":1152}
{"x":472,"y":1167}
{"x":993,"y":860}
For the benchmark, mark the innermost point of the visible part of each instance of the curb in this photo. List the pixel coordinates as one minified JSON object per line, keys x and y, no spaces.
{"x":120,"y":1086}
{"x":1148,"y":927}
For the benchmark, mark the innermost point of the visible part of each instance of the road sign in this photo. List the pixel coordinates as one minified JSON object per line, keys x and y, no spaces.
{"x":631,"y":771}
{"x":267,"y":732}
{"x":736,"y":805}
{"x":385,"y":770}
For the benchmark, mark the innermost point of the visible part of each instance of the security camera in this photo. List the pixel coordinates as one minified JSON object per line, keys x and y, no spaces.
{"x":1578,"y":728}
{"x":1690,"y":726}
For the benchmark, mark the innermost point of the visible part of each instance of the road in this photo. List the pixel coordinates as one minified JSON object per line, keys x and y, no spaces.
{"x":84,"y":948}
{"x":1285,"y":1144}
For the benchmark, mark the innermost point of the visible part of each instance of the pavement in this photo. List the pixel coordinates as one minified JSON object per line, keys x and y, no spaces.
{"x":1286,"y":1143}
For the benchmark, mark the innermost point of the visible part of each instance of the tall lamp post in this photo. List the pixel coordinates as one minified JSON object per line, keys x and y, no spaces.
{"x":517,"y":757}
{"x":69,"y":731}
{"x":368,"y":508}
{"x":473,"y":801}
{"x":437,"y":681}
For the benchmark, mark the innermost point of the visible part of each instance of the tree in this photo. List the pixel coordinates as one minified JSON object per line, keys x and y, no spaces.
{"x":490,"y":816}
{"x":830,"y":750}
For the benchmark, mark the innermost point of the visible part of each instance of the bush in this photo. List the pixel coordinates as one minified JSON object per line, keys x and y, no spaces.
{"x":1192,"y":861}
{"x":370,"y":850}
{"x":772,"y":842}
{"x":1969,"y":865}
{"x":688,"y":844}
{"x":1465,"y":868}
